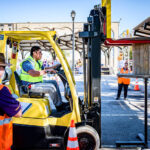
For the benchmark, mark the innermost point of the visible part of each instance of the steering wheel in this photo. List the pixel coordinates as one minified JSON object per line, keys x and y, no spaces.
{"x":57,"y":68}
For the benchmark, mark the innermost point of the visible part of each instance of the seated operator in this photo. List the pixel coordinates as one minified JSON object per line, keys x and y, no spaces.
{"x":32,"y":71}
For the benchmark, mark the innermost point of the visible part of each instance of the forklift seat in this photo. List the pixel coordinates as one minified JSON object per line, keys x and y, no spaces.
{"x":7,"y":75}
{"x":25,"y":90}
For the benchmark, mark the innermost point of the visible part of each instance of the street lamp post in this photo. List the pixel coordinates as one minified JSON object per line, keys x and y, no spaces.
{"x":73,"y":14}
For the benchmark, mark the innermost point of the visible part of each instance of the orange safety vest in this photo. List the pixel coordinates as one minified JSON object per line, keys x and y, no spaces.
{"x":6,"y":136}
{"x":123,"y":80}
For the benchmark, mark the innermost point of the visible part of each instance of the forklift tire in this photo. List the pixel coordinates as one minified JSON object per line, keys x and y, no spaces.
{"x":88,"y":138}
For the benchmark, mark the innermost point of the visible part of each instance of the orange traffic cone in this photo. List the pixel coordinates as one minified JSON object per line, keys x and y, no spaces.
{"x":136,"y":87}
{"x":72,"y":143}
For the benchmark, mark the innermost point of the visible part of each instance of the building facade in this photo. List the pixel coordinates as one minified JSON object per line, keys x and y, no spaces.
{"x":65,"y":28}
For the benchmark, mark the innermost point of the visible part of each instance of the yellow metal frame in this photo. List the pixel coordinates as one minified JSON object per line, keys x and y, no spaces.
{"x":18,"y":36}
{"x":107,"y":4}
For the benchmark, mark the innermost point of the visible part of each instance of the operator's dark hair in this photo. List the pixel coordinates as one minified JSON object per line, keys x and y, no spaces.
{"x":34,"y":49}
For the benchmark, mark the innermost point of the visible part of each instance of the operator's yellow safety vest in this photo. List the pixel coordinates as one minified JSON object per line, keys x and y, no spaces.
{"x":25,"y":76}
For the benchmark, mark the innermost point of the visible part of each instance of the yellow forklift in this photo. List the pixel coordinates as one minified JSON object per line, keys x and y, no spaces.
{"x":39,"y":128}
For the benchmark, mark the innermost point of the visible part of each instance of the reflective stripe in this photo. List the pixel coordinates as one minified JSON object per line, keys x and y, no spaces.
{"x":1,"y":122}
{"x":5,"y":121}
{"x":29,"y":59}
{"x":72,"y":144}
{"x":72,"y":132}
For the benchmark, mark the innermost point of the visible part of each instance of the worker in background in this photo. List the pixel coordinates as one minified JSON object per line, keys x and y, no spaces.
{"x":9,"y":107}
{"x":32,"y":74}
{"x":123,"y":82}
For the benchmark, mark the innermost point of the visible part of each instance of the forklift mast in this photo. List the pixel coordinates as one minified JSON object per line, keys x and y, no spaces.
{"x":93,"y":37}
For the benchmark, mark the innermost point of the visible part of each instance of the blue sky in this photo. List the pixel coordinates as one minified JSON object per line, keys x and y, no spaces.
{"x":131,"y":12}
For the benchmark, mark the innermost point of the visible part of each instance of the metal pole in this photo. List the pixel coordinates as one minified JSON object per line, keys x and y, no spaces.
{"x":113,"y":35}
{"x":84,"y":74}
{"x":73,"y":46}
{"x":145,"y":114}
{"x":129,"y":58}
{"x":113,"y":59}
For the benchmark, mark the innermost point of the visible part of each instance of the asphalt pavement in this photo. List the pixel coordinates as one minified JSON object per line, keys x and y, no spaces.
{"x":122,"y":120}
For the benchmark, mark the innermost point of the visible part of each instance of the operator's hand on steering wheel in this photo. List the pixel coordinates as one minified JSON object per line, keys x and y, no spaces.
{"x":53,"y":71}
{"x":57,"y":67}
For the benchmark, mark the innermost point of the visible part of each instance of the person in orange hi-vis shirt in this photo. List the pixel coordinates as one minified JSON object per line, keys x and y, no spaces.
{"x":123,"y":82}
{"x":9,"y":107}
